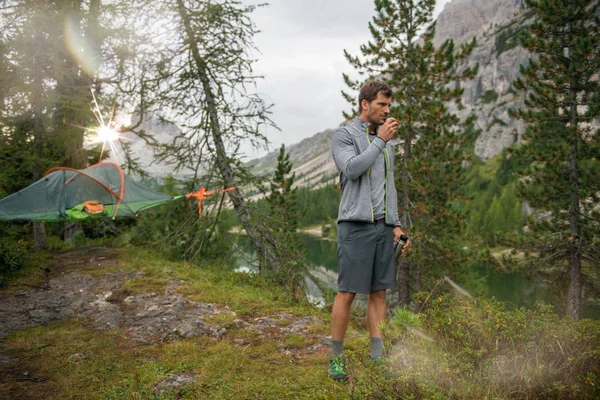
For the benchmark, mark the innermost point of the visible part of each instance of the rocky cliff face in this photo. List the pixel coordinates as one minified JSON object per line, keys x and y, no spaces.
{"x":462,"y":19}
{"x":496,"y":25}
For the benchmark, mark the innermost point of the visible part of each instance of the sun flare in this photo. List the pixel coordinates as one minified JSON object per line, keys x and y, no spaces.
{"x":106,"y":134}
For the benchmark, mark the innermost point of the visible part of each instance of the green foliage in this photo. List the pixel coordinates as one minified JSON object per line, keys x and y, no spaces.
{"x":12,"y":257}
{"x":404,"y":319}
{"x":508,"y":38}
{"x":496,"y":121}
{"x":489,"y":96}
{"x":281,"y":221}
{"x":177,"y":228}
{"x":490,"y":203}
{"x":477,"y":349}
{"x":282,"y":199}
{"x":318,"y":206}
{"x":327,"y":198}
{"x":561,"y":147}
{"x":21,"y":264}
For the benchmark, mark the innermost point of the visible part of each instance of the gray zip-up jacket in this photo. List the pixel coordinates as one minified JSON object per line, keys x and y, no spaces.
{"x":354,"y":153}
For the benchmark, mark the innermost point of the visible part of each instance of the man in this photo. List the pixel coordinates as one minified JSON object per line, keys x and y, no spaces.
{"x":368,"y":224}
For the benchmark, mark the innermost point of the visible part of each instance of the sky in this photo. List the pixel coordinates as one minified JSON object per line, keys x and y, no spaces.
{"x":301,"y":46}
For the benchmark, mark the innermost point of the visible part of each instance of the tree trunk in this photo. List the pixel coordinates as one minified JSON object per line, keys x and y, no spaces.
{"x":39,"y":232}
{"x":75,"y":85}
{"x":403,"y":280}
{"x":574,"y":293}
{"x":403,"y":266}
{"x":225,"y":170}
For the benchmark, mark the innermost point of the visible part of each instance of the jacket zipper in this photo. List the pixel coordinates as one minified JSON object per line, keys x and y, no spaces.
{"x":385,"y":184}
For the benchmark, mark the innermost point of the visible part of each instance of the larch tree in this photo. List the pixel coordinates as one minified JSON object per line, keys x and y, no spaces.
{"x":204,"y":83}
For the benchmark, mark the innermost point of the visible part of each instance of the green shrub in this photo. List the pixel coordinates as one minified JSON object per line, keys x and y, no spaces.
{"x":461,"y":348}
{"x":489,"y":96}
{"x":13,"y":257}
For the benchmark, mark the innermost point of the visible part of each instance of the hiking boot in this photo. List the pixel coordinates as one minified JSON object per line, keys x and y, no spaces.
{"x":337,"y":368}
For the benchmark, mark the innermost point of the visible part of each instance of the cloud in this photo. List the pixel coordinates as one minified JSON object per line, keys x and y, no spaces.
{"x":301,"y":55}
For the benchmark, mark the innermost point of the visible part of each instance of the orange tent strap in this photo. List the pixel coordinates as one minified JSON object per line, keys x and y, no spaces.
{"x":202,"y":193}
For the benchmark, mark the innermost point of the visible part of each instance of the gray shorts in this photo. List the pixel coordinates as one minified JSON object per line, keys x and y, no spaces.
{"x":365,"y":257}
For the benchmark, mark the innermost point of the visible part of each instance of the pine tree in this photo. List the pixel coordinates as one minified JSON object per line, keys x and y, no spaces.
{"x":283,"y":198}
{"x":27,"y":49}
{"x":283,"y":220}
{"x":561,"y":146}
{"x":424,"y":78}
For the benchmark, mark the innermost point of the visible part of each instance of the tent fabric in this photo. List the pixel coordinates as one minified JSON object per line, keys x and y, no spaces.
{"x":57,"y":196}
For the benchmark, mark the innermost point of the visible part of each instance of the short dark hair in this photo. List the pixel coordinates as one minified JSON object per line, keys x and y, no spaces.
{"x":371,"y":89}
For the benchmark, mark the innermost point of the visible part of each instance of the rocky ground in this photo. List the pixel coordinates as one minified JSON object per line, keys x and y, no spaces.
{"x":71,"y":290}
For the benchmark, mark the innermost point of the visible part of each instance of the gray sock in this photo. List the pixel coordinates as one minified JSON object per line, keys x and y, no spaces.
{"x":376,"y":347}
{"x":337,"y":347}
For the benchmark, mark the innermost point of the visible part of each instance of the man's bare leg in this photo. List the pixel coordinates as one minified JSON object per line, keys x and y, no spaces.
{"x":340,"y":314}
{"x":340,"y":317}
{"x":376,"y":308}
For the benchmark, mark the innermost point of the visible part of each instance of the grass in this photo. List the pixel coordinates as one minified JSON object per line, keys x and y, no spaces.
{"x":30,"y":272}
{"x":112,"y":370}
{"x":455,"y":349}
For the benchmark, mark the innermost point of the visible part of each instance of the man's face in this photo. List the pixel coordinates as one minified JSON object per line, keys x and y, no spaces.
{"x":377,"y":111}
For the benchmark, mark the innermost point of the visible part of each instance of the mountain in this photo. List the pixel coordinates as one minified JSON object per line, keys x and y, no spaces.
{"x":496,"y":25}
{"x":162,"y":132}
{"x":311,"y":157}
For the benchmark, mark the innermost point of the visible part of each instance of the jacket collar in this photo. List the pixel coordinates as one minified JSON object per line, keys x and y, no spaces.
{"x":361,"y":124}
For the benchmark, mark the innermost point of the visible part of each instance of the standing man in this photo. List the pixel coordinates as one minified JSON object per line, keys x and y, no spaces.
{"x":368,"y":224}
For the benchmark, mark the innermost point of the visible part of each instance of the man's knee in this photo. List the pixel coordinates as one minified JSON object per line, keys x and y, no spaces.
{"x":345,"y":297}
{"x":377,"y":296}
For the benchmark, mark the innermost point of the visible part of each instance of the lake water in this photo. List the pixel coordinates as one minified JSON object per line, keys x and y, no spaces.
{"x":512,"y":288}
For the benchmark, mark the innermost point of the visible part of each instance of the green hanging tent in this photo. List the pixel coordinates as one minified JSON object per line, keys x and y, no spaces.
{"x":67,"y":194}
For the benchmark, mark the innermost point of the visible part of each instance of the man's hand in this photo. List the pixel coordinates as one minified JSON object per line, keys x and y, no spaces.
{"x":388,"y":129}
{"x":397,"y":233}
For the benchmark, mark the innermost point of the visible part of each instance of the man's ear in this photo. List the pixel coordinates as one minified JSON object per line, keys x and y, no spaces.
{"x":364,"y":105}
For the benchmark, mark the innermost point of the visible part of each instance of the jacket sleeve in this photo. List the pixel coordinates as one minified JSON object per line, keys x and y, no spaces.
{"x":347,"y":161}
{"x":395,"y":214}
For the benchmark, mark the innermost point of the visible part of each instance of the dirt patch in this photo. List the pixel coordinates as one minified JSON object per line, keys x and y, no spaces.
{"x":85,"y":259}
{"x":26,"y":381}
{"x":144,"y":318}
